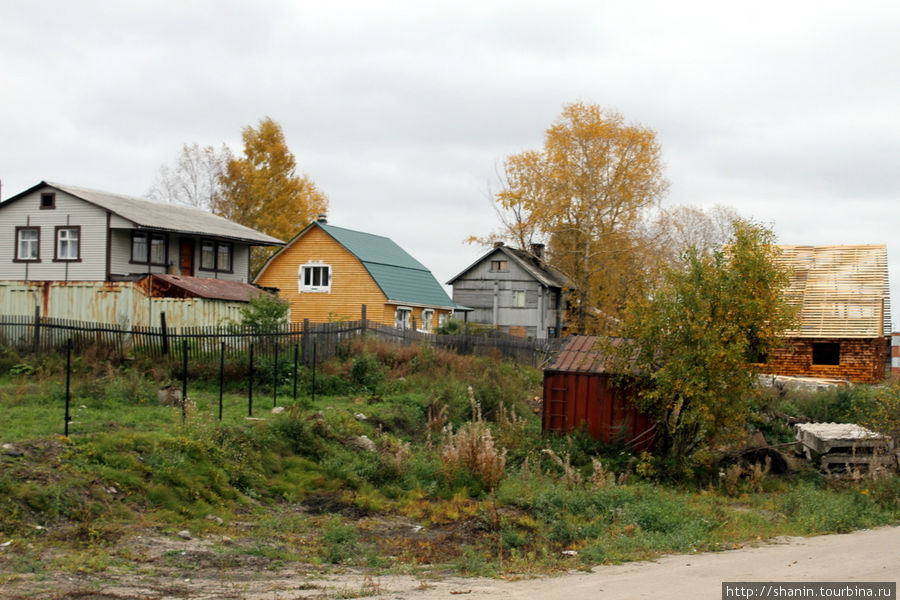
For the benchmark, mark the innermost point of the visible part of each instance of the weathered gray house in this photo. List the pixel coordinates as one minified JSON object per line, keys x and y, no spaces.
{"x":514,"y":291}
{"x":55,"y":236}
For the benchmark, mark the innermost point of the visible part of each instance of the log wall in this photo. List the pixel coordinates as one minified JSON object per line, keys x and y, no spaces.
{"x":861,"y":360}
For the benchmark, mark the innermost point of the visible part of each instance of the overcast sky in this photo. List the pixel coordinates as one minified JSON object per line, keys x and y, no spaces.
{"x":402,"y":112}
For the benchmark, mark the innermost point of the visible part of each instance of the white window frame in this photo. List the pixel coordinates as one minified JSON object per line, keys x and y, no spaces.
{"x":402,"y":317}
{"x":518,"y":299}
{"x":312,"y":287}
{"x":68,"y":243}
{"x":427,"y":320}
{"x":24,"y":247}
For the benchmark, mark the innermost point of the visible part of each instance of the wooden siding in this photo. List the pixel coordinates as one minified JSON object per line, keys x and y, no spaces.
{"x":351,"y":284}
{"x":92,"y":243}
{"x":68,"y":211}
{"x":121,"y":256}
{"x":491,"y":295}
{"x":590,"y":401}
{"x":861,"y":360}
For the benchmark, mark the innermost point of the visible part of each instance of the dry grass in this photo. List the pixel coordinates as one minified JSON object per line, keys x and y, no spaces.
{"x":473,"y":448}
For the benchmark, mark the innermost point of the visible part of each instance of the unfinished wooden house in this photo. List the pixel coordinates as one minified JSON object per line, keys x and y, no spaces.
{"x":844,"y":321}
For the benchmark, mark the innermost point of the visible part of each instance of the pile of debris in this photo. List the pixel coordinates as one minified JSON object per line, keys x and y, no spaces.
{"x":845,"y":447}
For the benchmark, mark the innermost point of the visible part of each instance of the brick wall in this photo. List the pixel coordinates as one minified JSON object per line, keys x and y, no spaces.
{"x":895,"y":356}
{"x":861,"y":360}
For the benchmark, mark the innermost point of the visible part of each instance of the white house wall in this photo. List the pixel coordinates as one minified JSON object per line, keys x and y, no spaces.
{"x":26,"y":212}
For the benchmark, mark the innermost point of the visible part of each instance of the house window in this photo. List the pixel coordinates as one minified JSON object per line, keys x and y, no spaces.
{"x":68,"y":246}
{"x":48,"y":200}
{"x":427,"y":319}
{"x":28,"y":243}
{"x":826,"y":353}
{"x":402,"y":317}
{"x":315,"y":277}
{"x":499,"y":265}
{"x":148,"y":248}
{"x":216,"y":256}
{"x":223,"y":257}
{"x":518,"y":299}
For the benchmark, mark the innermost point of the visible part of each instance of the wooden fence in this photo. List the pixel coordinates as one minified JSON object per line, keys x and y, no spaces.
{"x":312,"y":341}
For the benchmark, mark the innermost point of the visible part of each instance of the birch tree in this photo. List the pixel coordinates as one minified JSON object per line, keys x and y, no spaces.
{"x":584,"y":195}
{"x":193,"y":179}
{"x":262,"y":189}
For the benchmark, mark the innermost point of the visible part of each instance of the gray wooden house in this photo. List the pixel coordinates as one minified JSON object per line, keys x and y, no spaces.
{"x":56,"y":240}
{"x":514,"y":291}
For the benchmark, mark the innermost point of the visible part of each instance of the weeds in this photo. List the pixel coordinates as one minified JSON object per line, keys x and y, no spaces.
{"x":454,"y":454}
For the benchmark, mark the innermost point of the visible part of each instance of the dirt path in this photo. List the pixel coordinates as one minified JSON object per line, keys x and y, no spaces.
{"x":870,"y":555}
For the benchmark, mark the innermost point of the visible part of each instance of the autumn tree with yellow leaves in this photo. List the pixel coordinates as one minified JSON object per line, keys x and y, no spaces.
{"x":584,"y":195}
{"x":262,"y":189}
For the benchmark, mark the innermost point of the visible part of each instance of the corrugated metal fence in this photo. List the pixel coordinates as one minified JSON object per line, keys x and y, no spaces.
{"x":40,"y":334}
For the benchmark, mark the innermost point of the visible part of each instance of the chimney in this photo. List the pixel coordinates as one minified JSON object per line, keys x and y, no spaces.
{"x":537,"y":250}
{"x":322,"y":219}
{"x":498,"y":244}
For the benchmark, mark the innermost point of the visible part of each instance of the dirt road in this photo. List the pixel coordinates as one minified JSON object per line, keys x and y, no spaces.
{"x":870,"y":555}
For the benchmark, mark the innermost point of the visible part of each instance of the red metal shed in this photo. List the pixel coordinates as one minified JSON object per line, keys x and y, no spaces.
{"x":579,"y":392}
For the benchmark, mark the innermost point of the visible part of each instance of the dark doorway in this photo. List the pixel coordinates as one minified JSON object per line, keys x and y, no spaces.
{"x":186,"y":261}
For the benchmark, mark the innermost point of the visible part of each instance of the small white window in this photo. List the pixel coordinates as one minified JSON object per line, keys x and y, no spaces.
{"x":67,"y":245}
{"x":315,"y":277}
{"x":518,"y":298}
{"x":427,"y":320}
{"x":402,"y":317}
{"x":28,"y":243}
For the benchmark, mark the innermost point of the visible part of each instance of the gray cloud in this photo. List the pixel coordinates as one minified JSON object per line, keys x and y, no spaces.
{"x":403,"y":111}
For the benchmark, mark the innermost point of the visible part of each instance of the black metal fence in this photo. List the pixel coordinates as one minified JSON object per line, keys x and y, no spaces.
{"x":41,"y":334}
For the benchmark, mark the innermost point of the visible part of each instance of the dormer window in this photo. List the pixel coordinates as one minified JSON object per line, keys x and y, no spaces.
{"x":315,"y":277}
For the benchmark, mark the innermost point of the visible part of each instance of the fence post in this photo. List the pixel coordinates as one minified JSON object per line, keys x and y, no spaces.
{"x":314,"y":371}
{"x":364,"y":322}
{"x":304,"y":337}
{"x":37,"y":328}
{"x":296,"y":365}
{"x":184,"y":378}
{"x":68,"y":374}
{"x":250,"y":399}
{"x":165,"y":333}
{"x":275,"y":375}
{"x":221,"y":377}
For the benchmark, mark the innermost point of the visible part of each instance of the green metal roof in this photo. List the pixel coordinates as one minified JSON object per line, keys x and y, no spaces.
{"x":401,"y":277}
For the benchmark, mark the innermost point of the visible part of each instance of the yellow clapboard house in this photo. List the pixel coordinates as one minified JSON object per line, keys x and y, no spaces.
{"x":328,"y":273}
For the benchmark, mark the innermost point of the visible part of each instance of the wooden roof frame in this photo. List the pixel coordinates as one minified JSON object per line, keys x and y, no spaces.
{"x":840,"y":291}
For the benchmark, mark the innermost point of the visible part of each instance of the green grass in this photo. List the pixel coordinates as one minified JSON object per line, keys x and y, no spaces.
{"x":310,"y":492}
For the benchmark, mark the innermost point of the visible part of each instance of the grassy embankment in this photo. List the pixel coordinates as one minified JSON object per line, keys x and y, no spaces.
{"x":437,"y":483}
